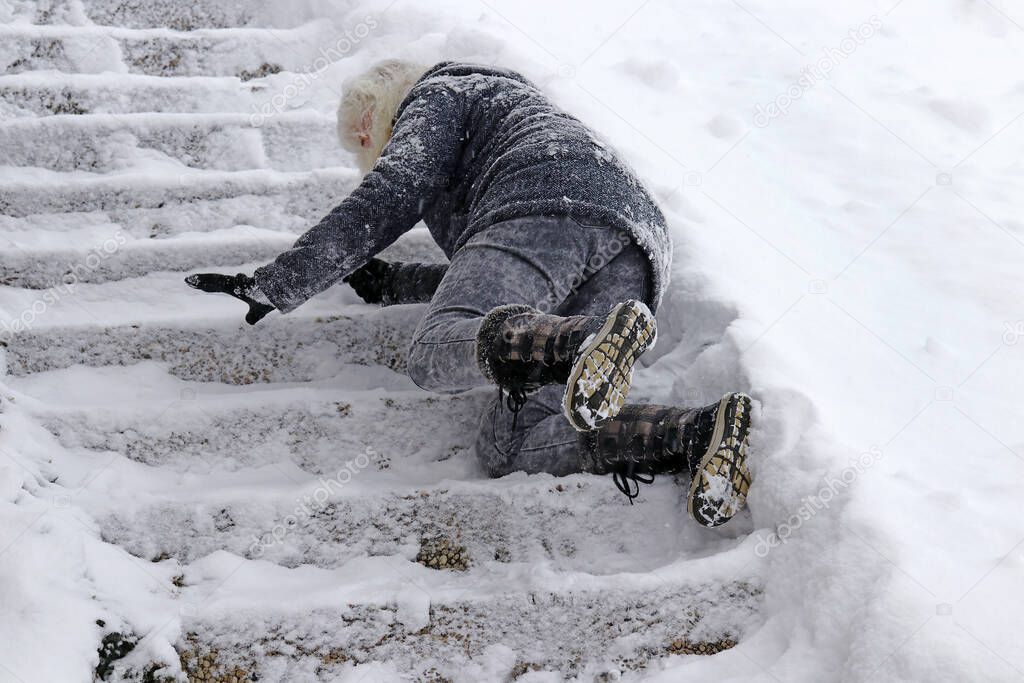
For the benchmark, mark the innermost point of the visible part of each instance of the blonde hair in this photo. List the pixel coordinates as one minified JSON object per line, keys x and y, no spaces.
{"x":374,"y":96}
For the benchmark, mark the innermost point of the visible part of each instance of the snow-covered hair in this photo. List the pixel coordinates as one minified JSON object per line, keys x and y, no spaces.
{"x":373,"y":97}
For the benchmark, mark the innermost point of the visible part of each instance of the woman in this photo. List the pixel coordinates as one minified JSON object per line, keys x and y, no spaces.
{"x":558,"y":256}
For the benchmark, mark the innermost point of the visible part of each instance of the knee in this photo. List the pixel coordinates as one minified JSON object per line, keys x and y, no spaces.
{"x":494,"y":464}
{"x":494,"y":443}
{"x":429,"y":372}
{"x":443,"y":358}
{"x":418,"y":367}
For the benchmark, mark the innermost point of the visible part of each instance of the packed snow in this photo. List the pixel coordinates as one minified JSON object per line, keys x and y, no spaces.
{"x":841,"y":182}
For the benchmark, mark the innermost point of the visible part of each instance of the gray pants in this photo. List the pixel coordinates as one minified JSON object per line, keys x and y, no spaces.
{"x":553,"y":264}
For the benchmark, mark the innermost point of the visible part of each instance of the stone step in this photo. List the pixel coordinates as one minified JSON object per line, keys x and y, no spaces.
{"x":104,"y":252}
{"x":246,"y":53}
{"x":225,"y":350}
{"x":155,"y":418}
{"x":207,"y":444}
{"x":45,"y":93}
{"x":45,"y":259}
{"x":201,"y":336}
{"x":575,"y":523}
{"x":100,"y":143}
{"x":180,"y":16}
{"x":192,"y":193}
{"x":573,"y":626}
{"x":278,"y":211}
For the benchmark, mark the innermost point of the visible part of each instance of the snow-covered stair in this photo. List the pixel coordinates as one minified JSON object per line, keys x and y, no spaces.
{"x":41,"y":93}
{"x":587,"y":628}
{"x":246,"y":53}
{"x":41,"y":191}
{"x":199,"y":341}
{"x":152,"y":417}
{"x":306,"y":507}
{"x":231,"y":142}
{"x":531,"y":521}
{"x":41,"y":259}
{"x":51,"y":258}
{"x":179,"y":16}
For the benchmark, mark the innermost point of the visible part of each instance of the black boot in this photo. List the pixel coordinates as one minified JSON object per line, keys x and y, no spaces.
{"x":521,"y":350}
{"x":709,"y":443}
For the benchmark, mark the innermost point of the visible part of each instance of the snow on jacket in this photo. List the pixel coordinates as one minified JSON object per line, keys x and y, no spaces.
{"x":472,"y":146}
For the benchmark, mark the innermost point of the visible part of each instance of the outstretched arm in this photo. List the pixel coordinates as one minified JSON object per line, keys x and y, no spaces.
{"x":414,"y":165}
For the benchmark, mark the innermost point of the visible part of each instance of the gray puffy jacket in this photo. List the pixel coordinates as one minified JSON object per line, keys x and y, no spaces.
{"x":472,"y":146}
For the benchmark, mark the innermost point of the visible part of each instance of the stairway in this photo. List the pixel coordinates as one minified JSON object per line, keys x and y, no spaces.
{"x":312,"y":508}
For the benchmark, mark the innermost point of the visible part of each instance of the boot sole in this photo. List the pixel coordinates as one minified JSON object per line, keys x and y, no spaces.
{"x":720,"y":485}
{"x":601,"y":376}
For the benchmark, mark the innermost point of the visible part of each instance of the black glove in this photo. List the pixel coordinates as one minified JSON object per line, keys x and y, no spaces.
{"x":240,"y":286}
{"x":372,"y":281}
{"x":380,"y":282}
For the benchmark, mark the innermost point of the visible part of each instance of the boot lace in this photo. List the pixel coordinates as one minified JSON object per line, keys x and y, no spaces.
{"x":635,"y":459}
{"x":626,"y":471}
{"x":628,"y":480}
{"x":513,"y":398}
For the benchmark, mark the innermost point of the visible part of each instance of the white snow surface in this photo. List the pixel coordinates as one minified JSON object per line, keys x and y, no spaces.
{"x":853,"y":262}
